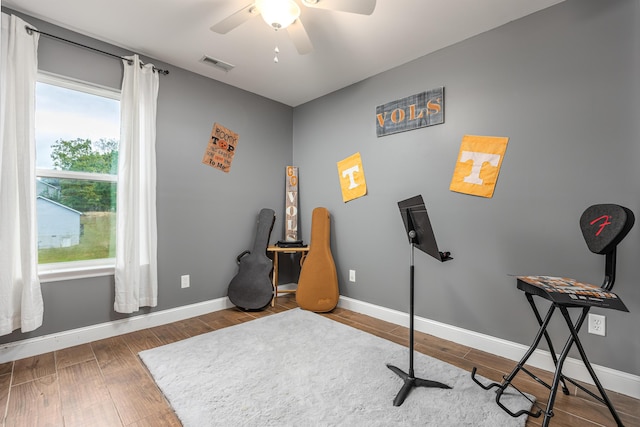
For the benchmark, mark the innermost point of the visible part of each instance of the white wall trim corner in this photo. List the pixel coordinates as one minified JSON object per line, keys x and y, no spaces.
{"x":611,"y":379}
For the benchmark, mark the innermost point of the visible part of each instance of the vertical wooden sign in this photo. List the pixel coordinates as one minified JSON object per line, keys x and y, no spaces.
{"x":221,"y":148}
{"x":291,"y":205}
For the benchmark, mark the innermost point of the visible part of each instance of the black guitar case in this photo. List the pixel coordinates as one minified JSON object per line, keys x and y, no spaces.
{"x":251,"y":288}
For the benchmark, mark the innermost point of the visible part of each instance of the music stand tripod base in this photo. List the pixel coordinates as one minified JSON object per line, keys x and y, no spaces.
{"x":411,"y":382}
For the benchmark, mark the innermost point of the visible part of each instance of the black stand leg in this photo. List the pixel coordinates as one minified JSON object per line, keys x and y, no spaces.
{"x":543,"y":328}
{"x":575,"y":339}
{"x":410,"y":381}
{"x":558,"y":377}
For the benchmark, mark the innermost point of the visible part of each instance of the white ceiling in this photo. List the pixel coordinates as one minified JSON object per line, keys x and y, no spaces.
{"x":347,"y":47}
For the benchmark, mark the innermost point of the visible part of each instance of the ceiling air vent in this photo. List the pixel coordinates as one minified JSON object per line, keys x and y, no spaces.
{"x":224,"y":66}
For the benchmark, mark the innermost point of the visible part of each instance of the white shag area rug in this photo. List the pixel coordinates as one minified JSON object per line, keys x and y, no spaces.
{"x":298,"y":368}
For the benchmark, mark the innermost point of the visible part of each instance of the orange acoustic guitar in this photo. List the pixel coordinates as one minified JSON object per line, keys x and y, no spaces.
{"x":318,"y":283}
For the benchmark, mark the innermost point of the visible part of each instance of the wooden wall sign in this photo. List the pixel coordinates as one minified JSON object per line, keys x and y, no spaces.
{"x":221,"y":148}
{"x":291,"y":205}
{"x":413,"y":112}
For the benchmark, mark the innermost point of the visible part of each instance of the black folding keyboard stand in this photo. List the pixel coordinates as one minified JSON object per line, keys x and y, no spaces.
{"x":609,"y":249}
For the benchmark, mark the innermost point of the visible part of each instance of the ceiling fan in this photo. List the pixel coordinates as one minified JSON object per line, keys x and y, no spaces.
{"x":285,"y":14}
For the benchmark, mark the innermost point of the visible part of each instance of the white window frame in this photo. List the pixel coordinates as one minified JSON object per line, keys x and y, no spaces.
{"x":54,"y":272}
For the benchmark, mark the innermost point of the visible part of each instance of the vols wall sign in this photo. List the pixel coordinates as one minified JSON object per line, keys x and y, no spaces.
{"x":478,"y":165}
{"x":221,"y":148}
{"x":412,"y":112}
{"x":351,"y":174}
{"x":291,"y":204}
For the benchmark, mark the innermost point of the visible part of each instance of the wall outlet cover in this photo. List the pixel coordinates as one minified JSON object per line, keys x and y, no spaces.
{"x":597,"y":324}
{"x":185,"y":281}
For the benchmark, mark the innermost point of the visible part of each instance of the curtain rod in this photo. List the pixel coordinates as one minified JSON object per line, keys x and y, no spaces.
{"x":33,"y":30}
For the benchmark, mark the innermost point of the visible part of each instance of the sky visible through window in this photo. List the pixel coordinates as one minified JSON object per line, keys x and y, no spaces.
{"x":70,"y":114}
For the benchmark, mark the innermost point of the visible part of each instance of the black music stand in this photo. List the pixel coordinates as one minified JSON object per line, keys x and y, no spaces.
{"x":416,"y":222}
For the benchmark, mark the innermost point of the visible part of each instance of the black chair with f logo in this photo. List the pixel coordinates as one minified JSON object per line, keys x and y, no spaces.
{"x":603,"y":227}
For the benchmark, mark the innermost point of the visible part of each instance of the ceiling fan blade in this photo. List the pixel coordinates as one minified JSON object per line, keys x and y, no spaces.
{"x":234,"y":20}
{"x":361,"y":7}
{"x":300,"y":37}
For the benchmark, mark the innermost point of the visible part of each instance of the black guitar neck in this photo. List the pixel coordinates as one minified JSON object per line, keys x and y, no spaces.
{"x":266,"y":219}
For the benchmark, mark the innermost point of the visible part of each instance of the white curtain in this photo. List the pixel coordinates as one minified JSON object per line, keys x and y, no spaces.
{"x":20,"y":293}
{"x":136,"y":276}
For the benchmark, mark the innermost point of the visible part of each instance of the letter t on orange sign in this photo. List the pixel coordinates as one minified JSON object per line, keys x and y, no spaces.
{"x":351,"y":175}
{"x":478,"y":165}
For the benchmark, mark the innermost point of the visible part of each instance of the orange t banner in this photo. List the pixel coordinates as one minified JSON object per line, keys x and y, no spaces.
{"x":478,"y":165}
{"x":352,"y":180}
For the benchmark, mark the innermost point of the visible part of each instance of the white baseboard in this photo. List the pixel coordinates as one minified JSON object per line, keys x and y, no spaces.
{"x":47,"y":343}
{"x":611,"y":379}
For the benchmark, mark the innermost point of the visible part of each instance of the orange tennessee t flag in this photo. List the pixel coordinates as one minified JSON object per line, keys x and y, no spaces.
{"x":351,"y":174}
{"x":478,"y":165}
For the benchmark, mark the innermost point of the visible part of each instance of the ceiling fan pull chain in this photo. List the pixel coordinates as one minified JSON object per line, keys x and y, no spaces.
{"x":277,"y":51}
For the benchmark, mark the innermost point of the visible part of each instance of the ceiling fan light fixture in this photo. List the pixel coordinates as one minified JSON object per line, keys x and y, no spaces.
{"x":278,"y":13}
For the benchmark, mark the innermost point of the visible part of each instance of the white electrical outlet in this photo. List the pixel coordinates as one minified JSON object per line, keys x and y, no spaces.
{"x":352,"y":276}
{"x":597,"y":324}
{"x":185,"y":281}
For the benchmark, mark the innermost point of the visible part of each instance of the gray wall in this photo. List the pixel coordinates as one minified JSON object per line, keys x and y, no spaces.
{"x":205,"y":217}
{"x":562,"y":84}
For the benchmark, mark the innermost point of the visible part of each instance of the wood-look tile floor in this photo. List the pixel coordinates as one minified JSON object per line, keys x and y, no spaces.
{"x":104,"y":383}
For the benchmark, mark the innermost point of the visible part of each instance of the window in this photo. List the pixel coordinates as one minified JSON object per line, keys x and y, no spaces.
{"x":77,"y":136}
